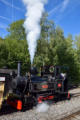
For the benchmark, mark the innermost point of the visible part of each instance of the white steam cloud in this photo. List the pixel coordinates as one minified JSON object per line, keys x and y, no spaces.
{"x":43,"y":107}
{"x":34,"y":11}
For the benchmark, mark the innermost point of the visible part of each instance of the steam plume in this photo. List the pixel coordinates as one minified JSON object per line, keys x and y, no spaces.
{"x":42,"y":107}
{"x":35,"y":9}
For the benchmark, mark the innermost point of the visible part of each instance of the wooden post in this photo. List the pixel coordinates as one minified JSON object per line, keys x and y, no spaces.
{"x":2,"y":84}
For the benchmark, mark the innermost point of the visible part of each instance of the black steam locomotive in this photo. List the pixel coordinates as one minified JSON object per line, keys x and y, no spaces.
{"x":52,"y":83}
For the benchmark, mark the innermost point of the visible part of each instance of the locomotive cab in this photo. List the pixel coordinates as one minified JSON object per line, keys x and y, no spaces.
{"x":58,"y":75}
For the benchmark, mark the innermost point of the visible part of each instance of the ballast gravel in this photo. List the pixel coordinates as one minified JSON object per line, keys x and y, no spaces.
{"x":54,"y":111}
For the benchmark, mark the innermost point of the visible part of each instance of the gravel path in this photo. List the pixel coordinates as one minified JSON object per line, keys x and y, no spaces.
{"x":49,"y":112}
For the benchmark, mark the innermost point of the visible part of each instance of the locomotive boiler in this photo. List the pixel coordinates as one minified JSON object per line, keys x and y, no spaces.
{"x":31,"y":89}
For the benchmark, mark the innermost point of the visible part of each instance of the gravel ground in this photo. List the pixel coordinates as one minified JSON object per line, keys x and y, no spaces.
{"x":44,"y":111}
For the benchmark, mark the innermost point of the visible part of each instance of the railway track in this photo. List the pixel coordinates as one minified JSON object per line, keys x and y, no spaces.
{"x":73,"y":95}
{"x":73,"y":116}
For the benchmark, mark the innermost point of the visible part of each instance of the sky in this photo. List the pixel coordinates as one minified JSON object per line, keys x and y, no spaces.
{"x":64,"y":13}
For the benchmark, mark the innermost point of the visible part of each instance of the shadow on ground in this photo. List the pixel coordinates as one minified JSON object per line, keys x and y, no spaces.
{"x":7,"y":109}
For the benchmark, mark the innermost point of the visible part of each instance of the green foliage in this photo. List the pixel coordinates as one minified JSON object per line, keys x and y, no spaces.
{"x":77,"y":52}
{"x":43,"y":45}
{"x":16,"y":31}
{"x":14,"y":48}
{"x":3,"y":52}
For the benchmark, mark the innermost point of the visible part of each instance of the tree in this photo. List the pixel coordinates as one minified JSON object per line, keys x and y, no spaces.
{"x":77,"y":52}
{"x":16,"y":31}
{"x":77,"y":46}
{"x":73,"y":66}
{"x":63,"y":54}
{"x":42,"y":52}
{"x":3,"y":53}
{"x":17,"y":46}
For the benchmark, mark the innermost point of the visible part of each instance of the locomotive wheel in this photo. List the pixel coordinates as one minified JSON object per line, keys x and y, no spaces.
{"x":35,"y":101}
{"x":28,"y":102}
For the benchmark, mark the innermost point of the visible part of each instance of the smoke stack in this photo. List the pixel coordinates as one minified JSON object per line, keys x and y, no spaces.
{"x":19,"y":68}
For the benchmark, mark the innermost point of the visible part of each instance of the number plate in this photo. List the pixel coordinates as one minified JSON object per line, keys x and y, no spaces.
{"x":2,"y":79}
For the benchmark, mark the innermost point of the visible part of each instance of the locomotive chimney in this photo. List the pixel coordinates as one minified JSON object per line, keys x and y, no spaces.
{"x":19,"y":68}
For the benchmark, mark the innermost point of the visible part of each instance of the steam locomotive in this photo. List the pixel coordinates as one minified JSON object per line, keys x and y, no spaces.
{"x":31,"y":89}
